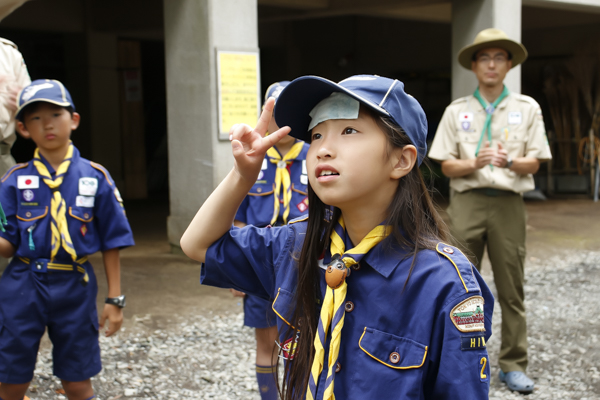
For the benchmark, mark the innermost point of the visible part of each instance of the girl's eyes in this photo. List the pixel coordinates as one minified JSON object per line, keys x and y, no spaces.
{"x":316,"y":136}
{"x":349,"y":131}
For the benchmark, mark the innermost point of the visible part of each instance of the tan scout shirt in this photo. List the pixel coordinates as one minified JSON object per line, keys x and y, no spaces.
{"x":13,"y":67}
{"x":517,"y":123}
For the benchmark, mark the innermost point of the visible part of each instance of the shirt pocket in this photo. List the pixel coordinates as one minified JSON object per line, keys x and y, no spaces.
{"x":33,"y":229}
{"x":260,"y":189}
{"x":82,"y":230}
{"x":82,"y":214}
{"x":515,"y":145}
{"x":467,"y":144}
{"x":392,"y":351}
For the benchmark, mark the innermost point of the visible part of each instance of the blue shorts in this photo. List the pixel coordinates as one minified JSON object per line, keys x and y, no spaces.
{"x":258,"y":313}
{"x":35,"y":296}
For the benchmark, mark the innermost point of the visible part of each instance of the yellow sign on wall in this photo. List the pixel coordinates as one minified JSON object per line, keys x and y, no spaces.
{"x":239,"y":89}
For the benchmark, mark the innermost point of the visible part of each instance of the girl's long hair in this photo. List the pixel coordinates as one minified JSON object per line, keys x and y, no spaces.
{"x":416,"y":226}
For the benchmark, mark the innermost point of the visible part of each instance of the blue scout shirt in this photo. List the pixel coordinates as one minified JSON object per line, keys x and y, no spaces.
{"x":95,"y":212}
{"x":423,"y":342}
{"x":257,"y":207}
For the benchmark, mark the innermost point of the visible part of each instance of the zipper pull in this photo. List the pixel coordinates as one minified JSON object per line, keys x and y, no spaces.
{"x":30,"y":231}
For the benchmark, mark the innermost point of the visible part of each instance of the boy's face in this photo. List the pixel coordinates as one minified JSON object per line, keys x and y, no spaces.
{"x":49,"y":126}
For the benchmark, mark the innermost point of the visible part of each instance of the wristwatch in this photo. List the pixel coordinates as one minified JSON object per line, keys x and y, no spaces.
{"x":509,"y":162}
{"x":116,"y":301}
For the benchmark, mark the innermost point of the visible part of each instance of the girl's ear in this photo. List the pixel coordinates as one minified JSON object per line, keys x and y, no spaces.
{"x":23,"y":130}
{"x":403,"y":161}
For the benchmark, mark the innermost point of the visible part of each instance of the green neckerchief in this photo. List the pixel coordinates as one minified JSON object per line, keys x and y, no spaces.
{"x":489,"y":110}
{"x":3,"y":220}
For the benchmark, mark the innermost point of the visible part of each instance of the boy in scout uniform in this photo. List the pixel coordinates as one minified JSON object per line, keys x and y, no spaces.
{"x":60,"y":208}
{"x":489,"y":144}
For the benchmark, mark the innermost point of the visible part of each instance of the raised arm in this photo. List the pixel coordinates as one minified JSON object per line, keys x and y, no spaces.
{"x":216,"y":215}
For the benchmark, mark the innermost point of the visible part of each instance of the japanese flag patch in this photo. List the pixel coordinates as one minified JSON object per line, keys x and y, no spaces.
{"x":88,"y":186}
{"x":28,"y":182}
{"x":468,"y":316}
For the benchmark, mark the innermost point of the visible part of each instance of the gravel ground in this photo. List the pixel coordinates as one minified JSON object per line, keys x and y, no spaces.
{"x":213,"y":357}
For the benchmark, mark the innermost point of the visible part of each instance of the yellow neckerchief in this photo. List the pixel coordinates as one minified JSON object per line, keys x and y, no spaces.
{"x":58,"y":208}
{"x":282,"y":176}
{"x":333,"y":311}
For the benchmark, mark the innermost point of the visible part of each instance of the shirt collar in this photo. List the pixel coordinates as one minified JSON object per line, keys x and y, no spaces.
{"x":383,"y":258}
{"x":51,"y":169}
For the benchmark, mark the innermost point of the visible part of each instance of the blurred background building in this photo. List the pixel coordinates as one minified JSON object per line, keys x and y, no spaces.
{"x":143,"y":73}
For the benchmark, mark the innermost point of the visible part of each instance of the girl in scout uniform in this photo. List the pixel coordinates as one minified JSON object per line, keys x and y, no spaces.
{"x":278,"y":196}
{"x":371,"y":303}
{"x":60,"y":208}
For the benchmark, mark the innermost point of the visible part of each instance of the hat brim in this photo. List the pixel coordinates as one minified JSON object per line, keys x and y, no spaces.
{"x":298,"y":99}
{"x":19,"y":115}
{"x":517,"y":51}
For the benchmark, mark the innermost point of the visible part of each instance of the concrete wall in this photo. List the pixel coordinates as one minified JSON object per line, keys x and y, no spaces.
{"x":470,"y":17}
{"x":198,"y":161}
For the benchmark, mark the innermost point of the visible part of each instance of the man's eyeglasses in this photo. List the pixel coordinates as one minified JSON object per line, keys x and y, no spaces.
{"x":498,"y":59}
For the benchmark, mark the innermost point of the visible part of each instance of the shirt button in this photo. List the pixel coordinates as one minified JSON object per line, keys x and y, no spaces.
{"x":394,"y":358}
{"x":349,"y":306}
{"x":338,"y":367}
{"x":258,"y":190}
{"x":448,"y":250}
{"x":38,"y":266}
{"x":28,"y":214}
{"x":356,"y":266}
{"x":86,"y":215}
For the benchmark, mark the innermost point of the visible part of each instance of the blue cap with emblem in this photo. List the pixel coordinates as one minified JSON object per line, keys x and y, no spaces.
{"x":275,"y":90}
{"x":47,"y":90}
{"x":383,"y":95}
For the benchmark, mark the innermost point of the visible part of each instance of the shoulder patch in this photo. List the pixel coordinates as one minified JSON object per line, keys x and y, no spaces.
{"x":299,"y":219}
{"x":101,"y":169}
{"x":468,"y":315}
{"x":13,"y":169}
{"x":8,"y":42}
{"x":461,"y":263}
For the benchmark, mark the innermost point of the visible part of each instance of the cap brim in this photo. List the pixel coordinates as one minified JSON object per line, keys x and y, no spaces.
{"x":58,"y":103}
{"x":298,"y":99}
{"x":517,"y":51}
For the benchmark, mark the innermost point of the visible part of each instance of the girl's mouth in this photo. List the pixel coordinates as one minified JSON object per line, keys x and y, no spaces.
{"x":326,"y":173}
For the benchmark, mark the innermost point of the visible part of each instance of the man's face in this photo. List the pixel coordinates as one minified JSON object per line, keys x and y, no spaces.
{"x":490,"y":66}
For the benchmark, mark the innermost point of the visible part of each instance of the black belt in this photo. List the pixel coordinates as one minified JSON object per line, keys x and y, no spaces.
{"x":491,"y":192}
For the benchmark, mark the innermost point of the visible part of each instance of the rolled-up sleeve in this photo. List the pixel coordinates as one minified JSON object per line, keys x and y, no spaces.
{"x":247,"y":259}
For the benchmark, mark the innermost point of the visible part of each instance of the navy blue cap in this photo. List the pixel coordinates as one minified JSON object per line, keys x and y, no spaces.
{"x":47,"y":90}
{"x":385,"y":96}
{"x":275,"y":90}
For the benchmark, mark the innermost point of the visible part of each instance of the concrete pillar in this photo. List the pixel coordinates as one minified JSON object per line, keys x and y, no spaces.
{"x":468,"y":18}
{"x":198,"y":160}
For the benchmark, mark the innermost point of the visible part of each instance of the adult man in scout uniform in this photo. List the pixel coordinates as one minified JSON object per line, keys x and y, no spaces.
{"x":13,"y":77}
{"x":489,"y":144}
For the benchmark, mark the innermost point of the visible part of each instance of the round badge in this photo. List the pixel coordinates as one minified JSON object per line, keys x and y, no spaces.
{"x":448,"y":250}
{"x":28,"y":195}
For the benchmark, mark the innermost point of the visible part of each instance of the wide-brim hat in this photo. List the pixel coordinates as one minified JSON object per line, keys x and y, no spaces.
{"x":488,"y":38}
{"x":385,"y":96}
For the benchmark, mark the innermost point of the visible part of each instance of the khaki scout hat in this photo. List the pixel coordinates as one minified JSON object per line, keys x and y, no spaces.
{"x":488,"y":38}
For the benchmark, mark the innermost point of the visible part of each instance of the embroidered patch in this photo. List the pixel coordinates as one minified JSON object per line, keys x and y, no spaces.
{"x":514,"y":118}
{"x":261,"y":174}
{"x":118,"y":195}
{"x":84,"y":201}
{"x":28,"y":195}
{"x":468,"y":316}
{"x":88,"y":186}
{"x":304,"y":179}
{"x":465,"y":119}
{"x":264,"y":164}
{"x":28,"y":182}
{"x":288,"y":348}
{"x":83,"y":230}
{"x":472,"y":342}
{"x":303,"y":205}
{"x":304,"y":170}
